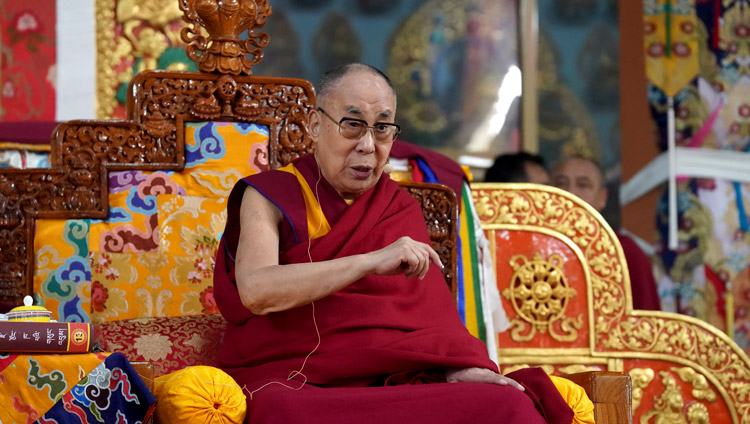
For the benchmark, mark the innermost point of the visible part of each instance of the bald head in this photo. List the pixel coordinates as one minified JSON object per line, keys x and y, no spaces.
{"x":582,"y":177}
{"x":329,"y":81}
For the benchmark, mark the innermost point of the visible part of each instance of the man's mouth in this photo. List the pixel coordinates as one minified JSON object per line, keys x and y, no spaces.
{"x":362,"y":171}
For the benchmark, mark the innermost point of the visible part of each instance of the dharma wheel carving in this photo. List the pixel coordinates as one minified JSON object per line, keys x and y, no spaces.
{"x":540,"y":294}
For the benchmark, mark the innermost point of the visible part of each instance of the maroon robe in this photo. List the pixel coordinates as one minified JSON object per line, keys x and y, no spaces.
{"x":380,"y":337}
{"x":642,"y":281}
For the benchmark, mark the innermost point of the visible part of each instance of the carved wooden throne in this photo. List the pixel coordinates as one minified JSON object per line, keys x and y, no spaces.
{"x":94,"y":237}
{"x":565,"y":286}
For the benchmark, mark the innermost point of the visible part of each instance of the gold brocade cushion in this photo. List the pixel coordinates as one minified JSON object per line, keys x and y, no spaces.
{"x":199,"y":394}
{"x":153,"y":254}
{"x":176,"y":279}
{"x":170,"y":343}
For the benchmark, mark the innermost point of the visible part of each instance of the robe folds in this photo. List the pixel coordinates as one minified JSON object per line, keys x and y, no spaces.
{"x":385,"y":341}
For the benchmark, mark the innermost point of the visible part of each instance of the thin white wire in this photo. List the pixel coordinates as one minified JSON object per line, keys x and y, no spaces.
{"x":295,"y":373}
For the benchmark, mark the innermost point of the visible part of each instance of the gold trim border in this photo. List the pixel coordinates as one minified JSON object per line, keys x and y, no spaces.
{"x":106,"y":78}
{"x":10,"y":145}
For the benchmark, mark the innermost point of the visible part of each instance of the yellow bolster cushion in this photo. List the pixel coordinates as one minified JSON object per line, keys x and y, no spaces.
{"x":200,"y":394}
{"x":575,"y":397}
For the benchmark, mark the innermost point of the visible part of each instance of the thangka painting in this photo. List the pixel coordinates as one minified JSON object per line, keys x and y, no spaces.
{"x":447,"y":60}
{"x":133,"y":36}
{"x":708,"y":275}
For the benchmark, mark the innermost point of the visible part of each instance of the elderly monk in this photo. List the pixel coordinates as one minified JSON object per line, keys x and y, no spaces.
{"x":585,"y":178}
{"x":336,"y":304}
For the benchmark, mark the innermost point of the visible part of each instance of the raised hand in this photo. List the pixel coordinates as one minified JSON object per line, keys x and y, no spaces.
{"x":404,"y":256}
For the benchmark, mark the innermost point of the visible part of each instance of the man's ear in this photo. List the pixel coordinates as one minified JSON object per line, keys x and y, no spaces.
{"x":601,"y":198}
{"x":313,"y":124}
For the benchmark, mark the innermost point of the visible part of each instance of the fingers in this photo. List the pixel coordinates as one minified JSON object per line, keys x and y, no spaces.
{"x":414,"y":258}
{"x":423,"y":255}
{"x":435,"y":257}
{"x":511,"y":382}
{"x":480,"y":375}
{"x":407,"y":256}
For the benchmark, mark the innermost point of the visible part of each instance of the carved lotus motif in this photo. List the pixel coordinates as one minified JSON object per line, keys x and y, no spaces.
{"x":223,"y":50}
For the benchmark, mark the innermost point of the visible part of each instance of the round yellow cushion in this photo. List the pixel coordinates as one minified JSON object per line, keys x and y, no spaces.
{"x":199,"y":394}
{"x":575,"y":397}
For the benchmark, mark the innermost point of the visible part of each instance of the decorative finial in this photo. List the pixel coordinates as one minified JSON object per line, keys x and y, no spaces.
{"x":223,"y":51}
{"x":28,"y":301}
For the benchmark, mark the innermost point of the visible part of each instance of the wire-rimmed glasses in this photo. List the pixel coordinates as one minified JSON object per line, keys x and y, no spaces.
{"x":354,"y":128}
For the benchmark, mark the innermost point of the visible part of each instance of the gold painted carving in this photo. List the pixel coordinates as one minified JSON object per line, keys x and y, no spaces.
{"x":699,"y":383}
{"x":552,"y":369}
{"x":106,"y":57}
{"x":697,"y":413}
{"x":669,"y":406}
{"x":151,"y":41}
{"x":576,"y":368}
{"x":222,"y":50}
{"x":640,"y":378}
{"x":618,"y":331}
{"x":548,"y":369}
{"x":149,"y":28}
{"x":518,"y":205}
{"x":540,"y":294}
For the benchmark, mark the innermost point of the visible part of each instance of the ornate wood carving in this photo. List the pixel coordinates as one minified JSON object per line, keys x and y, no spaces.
{"x":440,"y":209}
{"x":158,"y":106}
{"x":223,"y":50}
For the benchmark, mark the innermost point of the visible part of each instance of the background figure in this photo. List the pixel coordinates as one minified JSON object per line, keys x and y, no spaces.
{"x":585,"y":178}
{"x":518,"y":167}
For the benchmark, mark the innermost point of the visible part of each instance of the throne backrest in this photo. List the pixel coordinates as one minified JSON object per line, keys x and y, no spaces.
{"x":565,"y":286}
{"x":139,"y":205}
{"x":126,"y":220}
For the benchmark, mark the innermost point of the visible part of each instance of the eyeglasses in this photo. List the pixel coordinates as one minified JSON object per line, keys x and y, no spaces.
{"x":354,"y":129}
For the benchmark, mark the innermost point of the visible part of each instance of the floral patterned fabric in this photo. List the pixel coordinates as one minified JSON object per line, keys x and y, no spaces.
{"x":82,"y":388}
{"x":153,"y":255}
{"x":170,"y":343}
{"x":28,"y":65}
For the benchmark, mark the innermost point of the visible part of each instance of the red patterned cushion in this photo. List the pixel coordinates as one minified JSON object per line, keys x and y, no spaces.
{"x":170,"y":343}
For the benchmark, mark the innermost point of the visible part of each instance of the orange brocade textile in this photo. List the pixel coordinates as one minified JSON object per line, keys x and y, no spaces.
{"x":385,"y":340}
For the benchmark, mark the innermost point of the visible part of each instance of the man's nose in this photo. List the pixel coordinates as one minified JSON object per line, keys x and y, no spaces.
{"x":366,"y":143}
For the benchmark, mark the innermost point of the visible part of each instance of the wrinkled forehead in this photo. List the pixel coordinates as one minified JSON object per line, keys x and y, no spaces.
{"x":358,"y":90}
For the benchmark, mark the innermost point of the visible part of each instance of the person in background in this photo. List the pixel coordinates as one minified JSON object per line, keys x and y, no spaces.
{"x":585,"y":178}
{"x":521,"y":167}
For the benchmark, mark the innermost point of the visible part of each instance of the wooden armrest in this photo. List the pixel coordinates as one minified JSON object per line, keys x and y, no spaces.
{"x":146,"y":371}
{"x":610,"y":392}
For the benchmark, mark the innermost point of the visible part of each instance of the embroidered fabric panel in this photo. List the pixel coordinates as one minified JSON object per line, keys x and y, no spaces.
{"x":153,"y":255}
{"x":87,"y":388}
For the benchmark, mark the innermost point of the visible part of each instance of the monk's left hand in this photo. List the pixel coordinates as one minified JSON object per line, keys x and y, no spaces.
{"x":479,"y":375}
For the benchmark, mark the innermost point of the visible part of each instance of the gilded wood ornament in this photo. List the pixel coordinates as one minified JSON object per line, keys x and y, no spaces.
{"x":540,"y":294}
{"x":716,"y":370}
